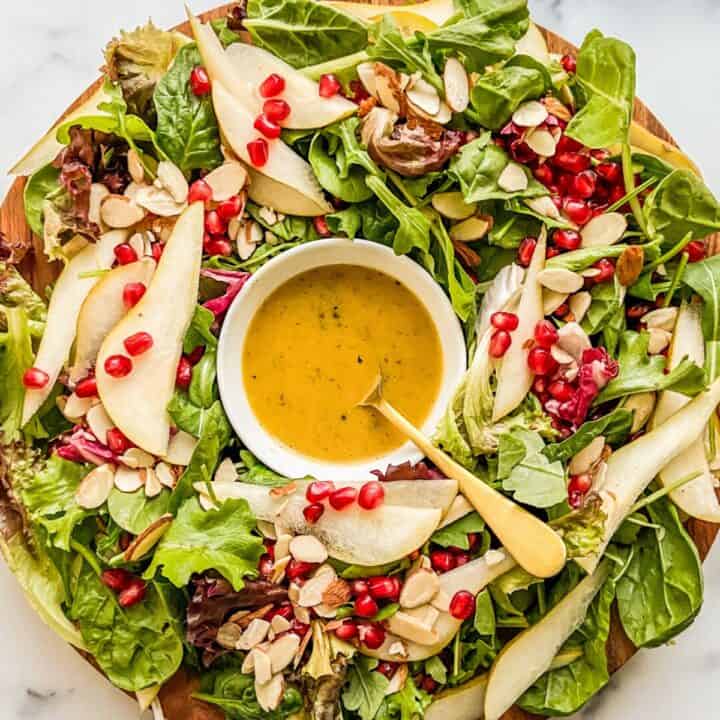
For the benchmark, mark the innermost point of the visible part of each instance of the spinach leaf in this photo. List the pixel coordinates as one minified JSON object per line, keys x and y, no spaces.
{"x":203,"y":386}
{"x":186,"y":126}
{"x":704,"y":278}
{"x":200,"y":330}
{"x":251,"y":470}
{"x":135,"y":647}
{"x":606,"y":297}
{"x":456,"y":534}
{"x":303,"y":32}
{"x":661,"y":592}
{"x":135,"y":511}
{"x":186,"y":415}
{"x":579,"y":260}
{"x":606,"y":79}
{"x":369,"y":220}
{"x":510,"y":229}
{"x":39,"y":185}
{"x":511,"y":450}
{"x":325,"y":162}
{"x":365,"y":691}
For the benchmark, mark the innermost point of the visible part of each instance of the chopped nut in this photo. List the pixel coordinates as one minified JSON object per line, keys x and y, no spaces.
{"x":135,"y":167}
{"x":420,"y":588}
{"x":530,"y":114}
{"x":279,"y":624}
{"x":311,"y":593}
{"x":171,"y":179}
{"x":659,"y":340}
{"x":254,"y":634}
{"x":337,"y":593}
{"x":153,"y":486}
{"x":243,"y":618}
{"x":561,"y":280}
{"x":118,"y":211}
{"x":663,"y":318}
{"x":263,"y":666}
{"x":282,"y":651}
{"x":270,"y":695}
{"x":306,"y":548}
{"x":165,"y":475}
{"x":227,"y":180}
{"x":228,"y":635}
{"x":95,"y":487}
{"x":137,"y":458}
{"x":279,"y":568}
{"x":513,"y":178}
{"x":542,"y":142}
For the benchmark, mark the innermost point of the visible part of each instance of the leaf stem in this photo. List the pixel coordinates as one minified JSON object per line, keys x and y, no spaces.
{"x":676,"y":279}
{"x":662,"y":492}
{"x":670,"y":254}
{"x":629,"y":177}
{"x":631,"y":195}
{"x":89,"y":558}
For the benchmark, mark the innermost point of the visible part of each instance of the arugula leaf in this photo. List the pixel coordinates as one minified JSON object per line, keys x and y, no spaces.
{"x":579,"y":260}
{"x":40,"y":184}
{"x":436,"y":670}
{"x":327,"y":160}
{"x":186,"y":415}
{"x":513,"y":447}
{"x":186,"y":126}
{"x":484,"y":620}
{"x":365,"y":691}
{"x":408,"y":704}
{"x":456,"y":534}
{"x":200,"y":540}
{"x":200,"y":330}
{"x":135,"y":511}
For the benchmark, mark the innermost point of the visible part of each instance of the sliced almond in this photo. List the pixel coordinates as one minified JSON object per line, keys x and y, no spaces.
{"x":556,"y":108}
{"x":98,"y":192}
{"x":228,"y":635}
{"x":172,"y":179}
{"x":249,"y":236}
{"x":254,"y":634}
{"x":659,"y":340}
{"x":279,"y":567}
{"x":147,"y":539}
{"x":181,"y":448}
{"x":663,"y":318}
{"x":279,"y":624}
{"x":420,"y":588}
{"x":387,"y":87}
{"x":474,"y":228}
{"x":311,"y":593}
{"x":137,"y":243}
{"x":561,"y":280}
{"x":544,"y":206}
{"x":282,"y":546}
{"x":118,"y":211}
{"x":561,"y":356}
{"x":75,"y":408}
{"x":579,"y":305}
{"x":128,"y":480}
{"x":513,"y":178}
{"x":137,"y":458}
{"x":262,"y":665}
{"x":306,"y":548}
{"x":552,"y":301}
{"x":590,"y":272}
{"x":453,"y":206}
{"x":227,"y":180}
{"x":226,"y":471}
{"x":587,"y":457}
{"x":132,"y":190}
{"x":457,"y":85}
{"x":630,"y":265}
{"x":574,"y":340}
{"x":606,"y":229}
{"x":423,"y":96}
{"x":282,"y":651}
{"x":165,"y":475}
{"x":159,"y":201}
{"x":135,"y":166}
{"x":398,"y":680}
{"x":99,"y":422}
{"x":270,"y":695}
{"x":206,"y":502}
{"x":412,"y":626}
{"x":530,"y":114}
{"x":542,"y":142}
{"x":366,"y":73}
{"x":95,"y":487}
{"x":267,"y":529}
{"x":153,"y":486}
{"x":302,"y":614}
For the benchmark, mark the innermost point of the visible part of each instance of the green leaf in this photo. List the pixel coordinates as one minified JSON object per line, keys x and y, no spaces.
{"x":186,"y":415}
{"x":484,"y":621}
{"x":436,"y":670}
{"x":408,"y":704}
{"x":606,"y":298}
{"x":200,"y":540}
{"x":41,"y":184}
{"x":203,"y":386}
{"x":16,"y":356}
{"x":187,"y":129}
{"x":456,"y":534}
{"x":349,"y":186}
{"x":579,"y":260}
{"x":251,"y":470}
{"x":513,"y":447}
{"x":200,"y":330}
{"x":135,"y":511}
{"x":366,"y":689}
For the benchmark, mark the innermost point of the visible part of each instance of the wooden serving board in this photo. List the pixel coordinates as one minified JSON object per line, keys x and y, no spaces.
{"x":35,"y":267}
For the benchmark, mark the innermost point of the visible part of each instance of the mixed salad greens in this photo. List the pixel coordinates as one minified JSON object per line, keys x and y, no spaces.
{"x":577,"y":251}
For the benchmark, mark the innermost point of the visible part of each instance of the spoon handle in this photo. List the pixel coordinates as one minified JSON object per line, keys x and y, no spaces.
{"x":534,"y":544}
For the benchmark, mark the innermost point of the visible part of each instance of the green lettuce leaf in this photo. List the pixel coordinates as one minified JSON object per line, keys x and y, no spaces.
{"x":456,"y":534}
{"x":40,"y":184}
{"x":16,"y":356}
{"x":135,"y":511}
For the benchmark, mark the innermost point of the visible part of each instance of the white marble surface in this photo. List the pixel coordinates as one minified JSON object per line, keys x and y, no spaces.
{"x":51,"y":52}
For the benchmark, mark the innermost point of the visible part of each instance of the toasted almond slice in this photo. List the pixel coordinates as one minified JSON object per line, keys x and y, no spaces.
{"x":227,"y":180}
{"x":147,"y":539}
{"x":95,"y":487}
{"x":99,"y":422}
{"x":530,"y":114}
{"x":302,"y":614}
{"x":663,"y":318}
{"x":118,"y":211}
{"x":579,"y":304}
{"x":267,"y":529}
{"x":587,"y":457}
{"x":128,"y":479}
{"x":560,"y":356}
{"x":282,"y":651}
{"x":561,"y":280}
{"x":424,"y":96}
{"x":263,"y":666}
{"x":542,"y":142}
{"x":552,"y":301}
{"x":226,"y":471}
{"x":206,"y":502}
{"x":165,"y":475}
{"x":171,"y":178}
{"x":254,"y":634}
{"x":311,"y":593}
{"x":513,"y":178}
{"x":270,"y":695}
{"x":556,"y":108}
{"x":411,"y":626}
{"x":153,"y":486}
{"x":279,"y":567}
{"x":181,"y":448}
{"x":457,"y":85}
{"x":443,"y":116}
{"x":366,"y":73}
{"x":606,"y":229}
{"x":137,"y":458}
{"x":420,"y":588}
{"x":453,"y":206}
{"x":76,"y":407}
{"x":659,"y":340}
{"x":135,"y":167}
{"x":282,"y":546}
{"x":387,"y":87}
{"x":544,"y":206}
{"x":159,"y":201}
{"x":573,"y":340}
{"x":630,"y":265}
{"x":474,"y":228}
{"x":279,"y":624}
{"x":248,"y":666}
{"x":337,"y":593}
{"x":137,"y":243}
{"x":248,"y":237}
{"x":398,"y":680}
{"x":98,"y":192}
{"x":590,"y":272}
{"x":132,"y":189}
{"x":228,"y":635}
{"x":306,"y":548}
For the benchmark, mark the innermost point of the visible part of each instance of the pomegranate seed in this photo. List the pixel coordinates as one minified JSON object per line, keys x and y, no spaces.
{"x":544,"y":174}
{"x":230,"y":208}
{"x":200,"y":191}
{"x":297,"y":569}
{"x":319,"y":490}
{"x":387,"y":669}
{"x":569,"y":63}
{"x":70,"y":453}
{"x":545,"y":334}
{"x":442,"y":560}
{"x":138,"y":343}
{"x":551,"y":252}
{"x":132,"y":293}
{"x":359,"y":587}
{"x":87,"y":387}
{"x":566,"y":144}
{"x":124,"y":254}
{"x":313,"y":512}
{"x":526,"y":250}
{"x":218,"y":246}
{"x":562,"y":311}
{"x":607,"y":270}
{"x":617,"y":193}
{"x":572,"y":162}
{"x":580,"y":483}
{"x":428,"y":684}
{"x":298,"y":628}
{"x":118,"y":366}
{"x":539,"y":386}
{"x":505,"y":321}
{"x":196,"y":355}
{"x":328,"y":86}
{"x":499,"y":343}
{"x":267,"y":127}
{"x":276,"y":110}
{"x":461,"y":558}
{"x":372,"y":636}
{"x":347,"y":631}
{"x":35,"y":379}
{"x":285,"y":611}
{"x":384,"y":588}
{"x":157,"y":250}
{"x":541,"y":362}
{"x":695,"y":251}
{"x":610,"y":172}
{"x":561,"y":390}
{"x":269,"y":548}
{"x":215,"y":224}
{"x":578,"y":211}
{"x":567,"y":239}
{"x":365,"y":606}
{"x":132,"y":594}
{"x":635,"y":312}
{"x":321,"y":226}
{"x":600,"y":155}
{"x":116,"y":579}
{"x":266,"y":565}
{"x":371,"y":495}
{"x":200,"y":81}
{"x":342,"y":498}
{"x":183,"y":376}
{"x":584,"y":184}
{"x":117,"y":441}
{"x":258,"y":151}
{"x":272,"y":85}
{"x":462,"y":605}
{"x":359,"y":93}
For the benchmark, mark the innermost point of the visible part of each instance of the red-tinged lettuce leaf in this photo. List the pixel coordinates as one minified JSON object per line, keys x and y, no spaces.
{"x":234,"y":280}
{"x":408,"y":471}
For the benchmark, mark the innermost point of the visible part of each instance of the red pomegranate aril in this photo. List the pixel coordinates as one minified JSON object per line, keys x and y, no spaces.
{"x":551,"y":252}
{"x":230,"y":208}
{"x":298,"y":628}
{"x":562,"y":311}
{"x":384,"y":588}
{"x":695,"y":251}
{"x":347,"y":631}
{"x":200,"y":191}
{"x":276,"y":110}
{"x":116,"y":579}
{"x":504,"y":321}
{"x":218,"y":246}
{"x":442,"y":560}
{"x":499,"y":343}
{"x":541,"y":362}
{"x":285,"y":611}
{"x":569,"y":63}
{"x":266,"y":565}
{"x":572,"y":162}
{"x":124,"y":254}
{"x":546,"y":335}
{"x":428,"y":684}
{"x":133,"y":593}
{"x":577,"y":211}
{"x":183,"y":375}
{"x":365,"y":606}
{"x":258,"y":151}
{"x":157,"y":249}
{"x":272,"y":85}
{"x":561,"y":390}
{"x":526,"y":250}
{"x":567,"y":239}
{"x":359,"y":93}
{"x":617,"y":193}
{"x":461,"y":558}
{"x":196,"y":355}
{"x":544,"y":174}
{"x":584,"y":184}
{"x":321,"y":226}
{"x":35,"y":379}
{"x":566,"y":144}
{"x":215,"y":224}
{"x":540,"y":385}
{"x":462,"y":605}
{"x":297,"y":569}
{"x":607,"y":270}
{"x":371,"y":495}
{"x":387,"y":669}
{"x":200,"y":81}
{"x":267,"y":127}
{"x":132,"y":294}
{"x":313,"y":513}
{"x":635,"y":312}
{"x":117,"y":441}
{"x":319,"y":490}
{"x":138,"y":343}
{"x":610,"y":172}
{"x":118,"y":366}
{"x":359,"y":587}
{"x":87,"y":387}
{"x":342,"y":498}
{"x":580,"y":483}
{"x":372,"y":636}
{"x":328,"y":86}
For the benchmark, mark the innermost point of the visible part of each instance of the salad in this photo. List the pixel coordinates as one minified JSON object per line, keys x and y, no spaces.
{"x":577,"y":251}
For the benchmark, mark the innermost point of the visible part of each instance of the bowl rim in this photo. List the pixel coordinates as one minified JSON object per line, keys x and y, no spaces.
{"x":270,"y":450}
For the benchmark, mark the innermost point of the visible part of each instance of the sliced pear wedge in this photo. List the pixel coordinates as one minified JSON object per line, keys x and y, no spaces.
{"x":71,"y":289}
{"x":137,"y":402}
{"x":533,"y":43}
{"x":278,"y":196}
{"x":528,"y":656}
{"x":697,"y":498}
{"x":631,"y":468}
{"x":423,"y":17}
{"x":102,"y":310}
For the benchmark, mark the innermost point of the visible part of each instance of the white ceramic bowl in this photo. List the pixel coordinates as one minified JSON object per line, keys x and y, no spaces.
{"x":333,"y":251}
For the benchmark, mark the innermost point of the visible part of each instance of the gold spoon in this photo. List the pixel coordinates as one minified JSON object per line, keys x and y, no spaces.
{"x":534,"y":545}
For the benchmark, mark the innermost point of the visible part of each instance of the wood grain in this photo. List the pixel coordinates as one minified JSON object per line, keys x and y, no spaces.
{"x":175,"y":696}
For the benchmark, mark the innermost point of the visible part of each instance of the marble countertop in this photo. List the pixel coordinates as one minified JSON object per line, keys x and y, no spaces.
{"x":52,"y":50}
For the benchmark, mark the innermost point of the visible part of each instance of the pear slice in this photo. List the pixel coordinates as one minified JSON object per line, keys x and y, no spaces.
{"x":280,"y":197}
{"x":631,"y":468}
{"x":137,"y":402}
{"x":696,"y":498}
{"x":308,"y":109}
{"x":424,"y":16}
{"x":102,"y":310}
{"x":514,"y":376}
{"x":71,"y":289}
{"x":529,"y":655}
{"x":533,"y":43}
